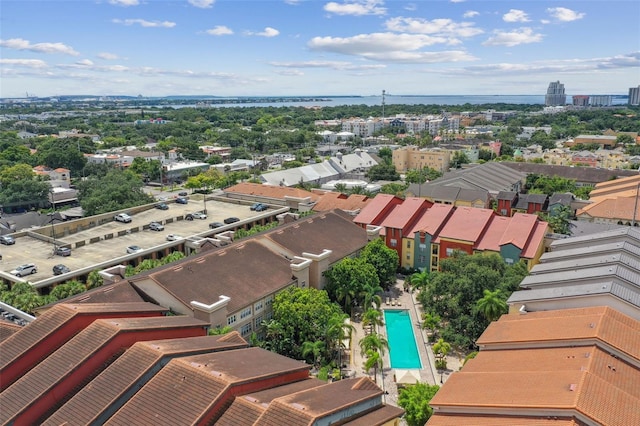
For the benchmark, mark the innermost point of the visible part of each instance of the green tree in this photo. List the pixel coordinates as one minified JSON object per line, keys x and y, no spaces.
{"x":303,"y":314}
{"x":394,"y":188}
{"x":220,"y":330}
{"x":431,"y":322}
{"x":68,"y":289}
{"x":372,"y":317}
{"x":116,"y":190}
{"x":415,"y":400}
{"x":315,"y":351}
{"x":373,"y":360}
{"x":94,"y":279}
{"x":492,"y":305}
{"x":350,"y":280}
{"x":383,"y":172}
{"x":383,"y":259}
{"x":420,"y":280}
{"x":373,"y":342}
{"x":386,"y":154}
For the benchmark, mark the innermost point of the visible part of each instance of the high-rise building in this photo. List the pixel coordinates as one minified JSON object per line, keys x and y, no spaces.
{"x":634,"y":95}
{"x":580,"y":100}
{"x":555,"y":94}
{"x":601,"y":100}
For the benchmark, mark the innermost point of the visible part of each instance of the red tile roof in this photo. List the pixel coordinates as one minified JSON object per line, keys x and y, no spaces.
{"x":433,"y":219}
{"x":536,"y":240}
{"x":46,"y":385}
{"x":494,"y":234}
{"x":335,"y":200}
{"x":114,"y":386}
{"x":405,"y":214}
{"x":270,"y":191}
{"x":371,"y":214}
{"x":519,"y":230}
{"x":466,"y":224}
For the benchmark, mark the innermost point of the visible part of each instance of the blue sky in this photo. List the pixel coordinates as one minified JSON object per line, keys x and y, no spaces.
{"x":313,"y":47}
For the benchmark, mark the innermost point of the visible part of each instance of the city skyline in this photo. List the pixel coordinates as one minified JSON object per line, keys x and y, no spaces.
{"x":297,"y":47}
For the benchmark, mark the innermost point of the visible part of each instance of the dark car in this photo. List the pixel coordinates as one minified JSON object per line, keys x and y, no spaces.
{"x":162,"y":206}
{"x":183,"y":193}
{"x":214,"y":225}
{"x":60,"y":269}
{"x":261,"y":207}
{"x":7,"y":240}
{"x":63,"y":251}
{"x":182,"y":200}
{"x":231,"y":220}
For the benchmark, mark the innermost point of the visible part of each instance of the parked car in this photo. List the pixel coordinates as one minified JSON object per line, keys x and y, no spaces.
{"x":254,"y":206}
{"x":133,"y":249}
{"x":63,"y":251}
{"x":122,"y":217}
{"x":173,"y":237}
{"x":162,"y":206}
{"x":261,"y":207}
{"x":60,"y":269}
{"x":182,"y":200}
{"x":183,"y":193}
{"x":7,"y":240}
{"x":199,"y":215}
{"x":26,"y":269}
{"x":214,"y":225}
{"x":156,"y":226}
{"x":231,"y":220}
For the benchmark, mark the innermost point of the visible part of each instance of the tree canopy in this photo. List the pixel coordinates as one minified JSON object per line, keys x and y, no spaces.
{"x":115,"y":191}
{"x":453,"y":293}
{"x":415,"y":400}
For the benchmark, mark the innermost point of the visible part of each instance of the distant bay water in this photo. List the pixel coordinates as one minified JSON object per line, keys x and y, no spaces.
{"x":329,"y":101}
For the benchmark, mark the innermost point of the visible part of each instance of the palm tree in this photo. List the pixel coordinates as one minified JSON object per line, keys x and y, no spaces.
{"x":220,"y":330}
{"x":374,"y":360}
{"x":441,"y":348}
{"x":94,"y":279}
{"x":314,"y":349}
{"x":420,"y":280}
{"x":346,"y":294}
{"x":374,"y":342}
{"x":372,"y":317}
{"x":336,"y":332}
{"x":492,"y":305}
{"x":431,"y":322}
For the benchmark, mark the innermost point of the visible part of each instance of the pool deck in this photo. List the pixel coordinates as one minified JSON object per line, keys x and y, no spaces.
{"x":385,"y":378}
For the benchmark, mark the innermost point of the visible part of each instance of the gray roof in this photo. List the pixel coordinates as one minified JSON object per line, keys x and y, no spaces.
{"x":615,"y":235}
{"x":595,"y":274}
{"x":590,"y":251}
{"x":492,"y":177}
{"x":525,"y":199}
{"x":564,"y":199}
{"x":588,"y":175}
{"x":610,"y":287}
{"x":588,"y":260}
{"x":449,"y":193}
{"x":308,"y":173}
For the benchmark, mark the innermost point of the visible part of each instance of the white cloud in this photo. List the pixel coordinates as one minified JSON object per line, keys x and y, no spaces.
{"x":389,"y":47}
{"x":470,"y":14}
{"x":458,"y":1}
{"x":545,"y":21}
{"x":292,"y":2}
{"x":356,"y":7}
{"x":219,"y":30}
{"x":107,"y":56}
{"x":515,"y":15}
{"x":85,"y":62}
{"x":290,"y":73}
{"x":335,"y":65}
{"x":268,"y":32}
{"x":202,"y":4}
{"x":565,"y":15}
{"x":125,"y":3}
{"x":513,"y":38}
{"x":21,"y":44}
{"x":442,"y":27}
{"x":28,"y":63}
{"x":144,"y":23}
{"x":411,"y":7}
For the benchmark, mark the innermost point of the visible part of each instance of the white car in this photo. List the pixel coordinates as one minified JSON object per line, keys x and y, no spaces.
{"x":133,"y":249}
{"x":26,"y":269}
{"x":199,"y":215}
{"x":173,"y":237}
{"x":122,"y":217}
{"x":156,"y":226}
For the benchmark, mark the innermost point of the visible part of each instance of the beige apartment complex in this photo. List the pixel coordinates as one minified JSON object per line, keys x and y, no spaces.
{"x":412,"y":157}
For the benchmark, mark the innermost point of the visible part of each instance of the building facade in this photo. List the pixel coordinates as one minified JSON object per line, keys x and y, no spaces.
{"x":555,"y":94}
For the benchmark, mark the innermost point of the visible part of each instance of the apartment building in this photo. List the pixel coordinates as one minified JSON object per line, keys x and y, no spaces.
{"x":412,"y":157}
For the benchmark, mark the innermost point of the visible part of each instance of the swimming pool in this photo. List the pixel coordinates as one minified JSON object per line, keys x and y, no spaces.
{"x":403,"y":349}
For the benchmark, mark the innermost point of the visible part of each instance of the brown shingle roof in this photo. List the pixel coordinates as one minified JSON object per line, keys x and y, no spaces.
{"x":378,"y":417}
{"x":81,"y":358}
{"x":116,"y":384}
{"x":51,"y":330}
{"x":331,"y":231}
{"x":199,"y":388}
{"x":7,"y":328}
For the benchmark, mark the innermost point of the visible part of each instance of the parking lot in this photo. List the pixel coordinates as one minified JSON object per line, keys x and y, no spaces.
{"x":32,"y":250}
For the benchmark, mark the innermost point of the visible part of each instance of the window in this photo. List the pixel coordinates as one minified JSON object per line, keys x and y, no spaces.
{"x":231,"y":319}
{"x":269,"y":301}
{"x":434,"y":249}
{"x":303,"y":284}
{"x":245,"y":313}
{"x":408,"y":256}
{"x":258,"y":322}
{"x":268,"y":316}
{"x":408,"y":243}
{"x":246,"y":329}
{"x":503,"y":212}
{"x":258,"y":306}
{"x":450,"y":251}
{"x":394,"y":243}
{"x":509,"y":261}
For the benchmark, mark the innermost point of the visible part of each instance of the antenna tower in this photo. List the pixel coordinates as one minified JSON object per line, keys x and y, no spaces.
{"x":383,"y":93}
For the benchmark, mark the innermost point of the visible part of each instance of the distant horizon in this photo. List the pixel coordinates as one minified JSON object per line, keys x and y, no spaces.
{"x":281,"y":48}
